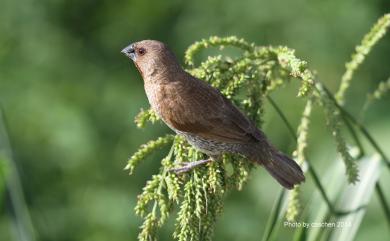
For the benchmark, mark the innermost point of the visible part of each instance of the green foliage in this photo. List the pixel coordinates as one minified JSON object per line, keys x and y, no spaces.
{"x":334,"y":124}
{"x":245,"y":79}
{"x":3,"y":173}
{"x":294,"y":207}
{"x":369,"y":40}
{"x":380,"y":91}
{"x":10,"y":183}
{"x":147,"y":149}
{"x":350,"y":202}
{"x":356,"y":198}
{"x":144,"y":116}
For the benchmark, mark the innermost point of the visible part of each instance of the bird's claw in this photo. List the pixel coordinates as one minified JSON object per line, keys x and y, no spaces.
{"x":188,"y":166}
{"x":179,"y":170}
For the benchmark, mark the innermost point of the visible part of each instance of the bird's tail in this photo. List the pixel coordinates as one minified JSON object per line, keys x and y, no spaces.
{"x":285,"y":170}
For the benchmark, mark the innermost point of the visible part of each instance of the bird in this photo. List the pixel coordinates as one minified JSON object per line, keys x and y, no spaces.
{"x":203,"y":115}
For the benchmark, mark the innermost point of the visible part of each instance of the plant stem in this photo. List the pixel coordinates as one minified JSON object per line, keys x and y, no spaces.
{"x":360,"y":127}
{"x":284,"y":118}
{"x":311,"y":169}
{"x":16,"y":203}
{"x":274,"y":217}
{"x":163,"y":177}
{"x":355,"y":137}
{"x":365,"y":132}
{"x":383,"y":201}
{"x":346,"y":121}
{"x":317,"y":182}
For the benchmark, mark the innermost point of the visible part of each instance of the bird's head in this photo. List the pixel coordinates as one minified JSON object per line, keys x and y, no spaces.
{"x":150,"y":57}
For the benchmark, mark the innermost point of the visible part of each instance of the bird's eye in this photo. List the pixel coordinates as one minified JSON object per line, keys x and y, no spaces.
{"x":141,"y":51}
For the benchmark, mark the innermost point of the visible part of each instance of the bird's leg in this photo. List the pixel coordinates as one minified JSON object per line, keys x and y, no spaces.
{"x":187,"y":166}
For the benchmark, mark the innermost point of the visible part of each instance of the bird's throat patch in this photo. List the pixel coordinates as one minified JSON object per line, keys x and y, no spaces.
{"x":139,"y":69}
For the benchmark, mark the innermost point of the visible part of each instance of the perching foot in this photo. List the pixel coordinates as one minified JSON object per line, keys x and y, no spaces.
{"x":187,"y":166}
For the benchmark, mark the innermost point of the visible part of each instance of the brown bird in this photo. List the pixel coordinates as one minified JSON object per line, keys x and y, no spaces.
{"x":200,"y":113}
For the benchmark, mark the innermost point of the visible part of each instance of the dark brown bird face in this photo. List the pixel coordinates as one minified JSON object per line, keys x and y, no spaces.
{"x":150,"y":57}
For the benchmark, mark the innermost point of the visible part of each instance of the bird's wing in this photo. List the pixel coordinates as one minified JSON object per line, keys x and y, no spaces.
{"x":204,"y":111}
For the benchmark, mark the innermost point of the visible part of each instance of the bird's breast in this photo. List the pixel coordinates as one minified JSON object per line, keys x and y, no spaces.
{"x":163,"y":99}
{"x":152,"y":95}
{"x":208,"y":146}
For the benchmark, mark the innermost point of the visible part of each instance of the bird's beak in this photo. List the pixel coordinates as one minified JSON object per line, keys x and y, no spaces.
{"x":129,"y":51}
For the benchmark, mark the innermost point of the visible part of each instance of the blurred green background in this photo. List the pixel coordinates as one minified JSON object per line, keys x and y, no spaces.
{"x":69,"y":99}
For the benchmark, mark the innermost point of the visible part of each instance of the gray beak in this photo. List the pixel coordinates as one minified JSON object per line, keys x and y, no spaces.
{"x":129,"y":51}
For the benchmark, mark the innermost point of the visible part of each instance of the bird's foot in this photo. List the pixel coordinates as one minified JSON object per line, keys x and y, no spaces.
{"x":188,"y":166}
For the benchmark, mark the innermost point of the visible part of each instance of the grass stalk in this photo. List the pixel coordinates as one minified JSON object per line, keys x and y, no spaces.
{"x":275,"y":214}
{"x":17,"y":207}
{"x":383,"y":202}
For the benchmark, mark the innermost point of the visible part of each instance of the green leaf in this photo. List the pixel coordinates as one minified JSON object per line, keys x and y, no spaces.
{"x":3,"y":173}
{"x":350,"y":202}
{"x":276,"y":216}
{"x":356,"y":197}
{"x":334,"y":179}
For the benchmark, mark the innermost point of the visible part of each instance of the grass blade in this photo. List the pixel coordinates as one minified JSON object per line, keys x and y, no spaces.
{"x":356,"y":197}
{"x":17,"y":208}
{"x":276,"y":215}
